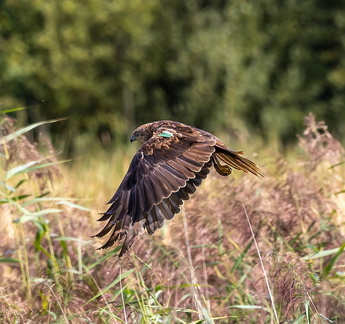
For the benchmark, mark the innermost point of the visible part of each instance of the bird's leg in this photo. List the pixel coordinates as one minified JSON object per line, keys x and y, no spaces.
{"x":223,"y":170}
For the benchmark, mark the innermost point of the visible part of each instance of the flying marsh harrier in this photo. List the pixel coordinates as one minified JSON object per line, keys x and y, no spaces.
{"x":171,"y":162}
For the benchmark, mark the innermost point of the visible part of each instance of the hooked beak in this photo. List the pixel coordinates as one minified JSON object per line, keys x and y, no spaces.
{"x":133,"y":138}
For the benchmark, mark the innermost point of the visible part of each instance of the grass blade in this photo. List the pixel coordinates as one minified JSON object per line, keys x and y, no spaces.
{"x":9,"y":260}
{"x":30,"y":167}
{"x":117,"y":280}
{"x":263,"y":268}
{"x":19,"y":169}
{"x":32,"y":216}
{"x":26,"y":129}
{"x":7,"y":111}
{"x":332,"y":261}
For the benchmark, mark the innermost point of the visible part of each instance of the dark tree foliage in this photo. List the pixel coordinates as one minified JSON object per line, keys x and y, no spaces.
{"x":219,"y":65}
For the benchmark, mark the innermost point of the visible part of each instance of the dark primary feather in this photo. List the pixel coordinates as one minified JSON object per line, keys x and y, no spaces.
{"x":171,"y":162}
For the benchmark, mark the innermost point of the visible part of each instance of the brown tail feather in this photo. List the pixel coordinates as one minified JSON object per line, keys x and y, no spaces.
{"x":234,"y":160}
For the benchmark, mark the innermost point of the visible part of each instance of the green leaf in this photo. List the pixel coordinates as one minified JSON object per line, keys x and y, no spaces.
{"x":32,"y":216}
{"x":44,"y":165}
{"x":20,"y":183}
{"x":68,"y":203}
{"x":11,"y":110}
{"x":108,"y":255}
{"x":9,"y":260}
{"x":117,"y":280}
{"x":44,"y":199}
{"x":327,"y":269}
{"x":19,"y":169}
{"x":17,"y":198}
{"x":9,"y":188}
{"x":249,"y":307}
{"x":59,"y":201}
{"x":337,"y":164}
{"x":240,"y":258}
{"x":321,"y":254}
{"x":307,"y":314}
{"x":29,"y":167}
{"x":26,"y":129}
{"x":299,"y":320}
{"x":73,"y":239}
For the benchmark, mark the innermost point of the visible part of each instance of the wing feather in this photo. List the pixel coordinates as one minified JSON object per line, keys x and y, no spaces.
{"x":178,"y":176}
{"x":166,"y":211}
{"x":155,"y":219}
{"x":163,"y":173}
{"x":159,"y":187}
{"x":192,"y":165}
{"x":149,"y":194}
{"x":182,"y":169}
{"x":171,"y":205}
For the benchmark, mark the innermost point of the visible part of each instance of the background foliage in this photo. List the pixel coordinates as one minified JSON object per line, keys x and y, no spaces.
{"x":241,"y":68}
{"x":220,"y":65}
{"x":201,"y":267}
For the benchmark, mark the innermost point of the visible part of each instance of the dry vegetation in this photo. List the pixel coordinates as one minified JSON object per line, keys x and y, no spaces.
{"x":201,"y":268}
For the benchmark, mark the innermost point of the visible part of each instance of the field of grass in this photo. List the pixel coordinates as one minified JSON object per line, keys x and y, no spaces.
{"x":244,"y":250}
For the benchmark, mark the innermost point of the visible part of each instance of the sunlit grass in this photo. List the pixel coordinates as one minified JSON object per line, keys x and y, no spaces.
{"x":202,"y":267}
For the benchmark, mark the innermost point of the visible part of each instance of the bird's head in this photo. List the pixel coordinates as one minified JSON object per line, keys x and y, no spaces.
{"x":142,"y":133}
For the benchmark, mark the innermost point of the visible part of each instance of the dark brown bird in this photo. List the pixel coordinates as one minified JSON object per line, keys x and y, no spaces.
{"x":172,"y":161}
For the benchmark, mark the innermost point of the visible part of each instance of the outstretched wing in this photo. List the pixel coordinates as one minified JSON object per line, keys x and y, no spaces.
{"x":163,"y":173}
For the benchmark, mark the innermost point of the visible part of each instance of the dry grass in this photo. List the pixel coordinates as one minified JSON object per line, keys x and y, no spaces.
{"x":202,"y":267}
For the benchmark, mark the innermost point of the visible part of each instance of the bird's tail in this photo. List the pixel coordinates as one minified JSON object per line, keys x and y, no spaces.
{"x":224,"y":159}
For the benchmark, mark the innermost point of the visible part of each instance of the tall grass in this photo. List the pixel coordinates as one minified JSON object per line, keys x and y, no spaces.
{"x":203,"y":267}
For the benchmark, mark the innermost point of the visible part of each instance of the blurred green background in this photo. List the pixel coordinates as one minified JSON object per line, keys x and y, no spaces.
{"x":224,"y":66}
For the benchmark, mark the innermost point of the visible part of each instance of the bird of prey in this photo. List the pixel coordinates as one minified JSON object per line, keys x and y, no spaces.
{"x":171,"y":162}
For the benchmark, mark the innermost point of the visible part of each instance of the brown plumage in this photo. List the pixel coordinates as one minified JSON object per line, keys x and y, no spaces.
{"x":172,"y":161}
